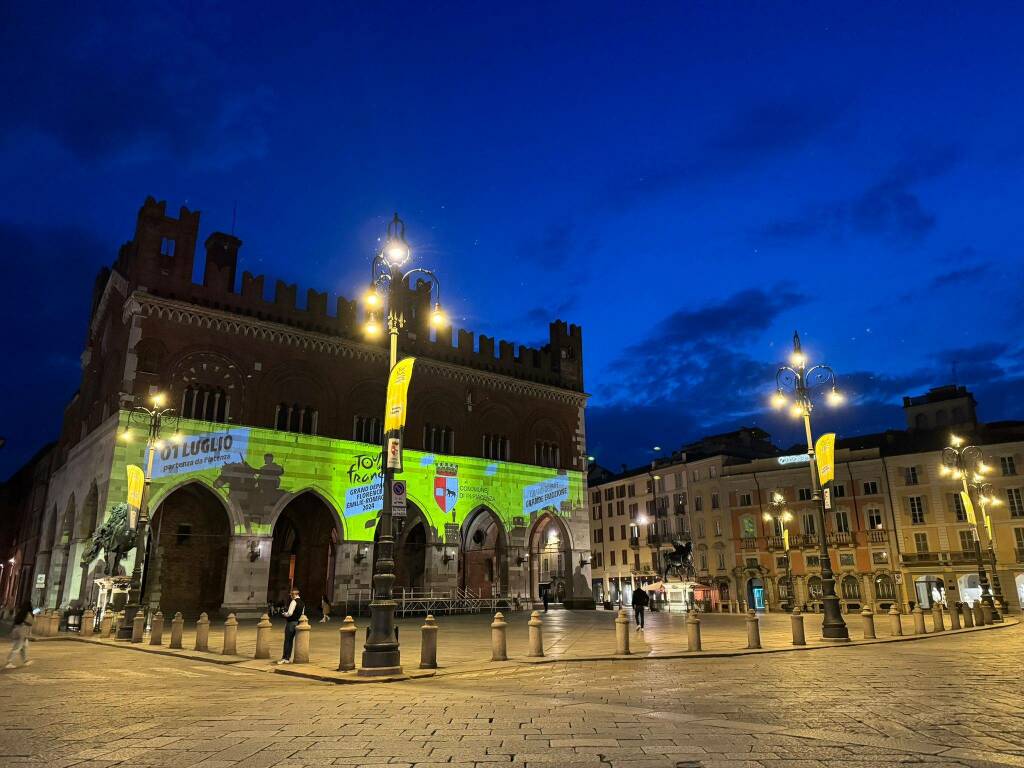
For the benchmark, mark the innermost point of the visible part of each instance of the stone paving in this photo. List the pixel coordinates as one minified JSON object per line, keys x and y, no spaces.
{"x":948,"y":700}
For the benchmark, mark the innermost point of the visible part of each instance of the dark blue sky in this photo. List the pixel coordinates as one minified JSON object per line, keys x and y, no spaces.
{"x":689,"y":182}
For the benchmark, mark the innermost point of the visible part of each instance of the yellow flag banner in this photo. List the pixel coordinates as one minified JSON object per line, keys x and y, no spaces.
{"x":398,"y":395}
{"x":825,"y":454}
{"x":136,"y":482}
{"x":785,"y":539}
{"x":988,"y":524}
{"x":968,"y":508}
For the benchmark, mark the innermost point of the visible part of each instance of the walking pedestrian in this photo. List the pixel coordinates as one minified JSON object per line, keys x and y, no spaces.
{"x":640,"y":601}
{"x":23,"y":620}
{"x":296,"y":608}
{"x":547,"y":598}
{"x":325,"y":610}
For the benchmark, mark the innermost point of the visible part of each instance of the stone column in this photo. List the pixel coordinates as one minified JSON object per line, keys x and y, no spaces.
{"x":692,"y":631}
{"x":753,"y":630}
{"x":88,"y":622}
{"x":919,"y":627}
{"x":177,"y":624}
{"x":347,"y":636}
{"x":302,"y":641}
{"x":203,"y":632}
{"x":428,"y":644}
{"x":230,"y":647}
{"x":263,"y":638}
{"x":868,"y":620}
{"x":895,"y":622}
{"x":954,"y":616}
{"x":156,"y":630}
{"x":499,"y":647}
{"x":536,"y":635}
{"x":621,"y":633}
{"x":796,"y":621}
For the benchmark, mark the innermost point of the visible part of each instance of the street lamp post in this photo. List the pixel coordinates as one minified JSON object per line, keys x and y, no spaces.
{"x":381,"y":653}
{"x":154,"y":418}
{"x":778,"y":515}
{"x":966,"y":463}
{"x":800,"y":381}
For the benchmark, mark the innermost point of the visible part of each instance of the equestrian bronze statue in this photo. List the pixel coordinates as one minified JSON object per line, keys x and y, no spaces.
{"x":114,"y":538}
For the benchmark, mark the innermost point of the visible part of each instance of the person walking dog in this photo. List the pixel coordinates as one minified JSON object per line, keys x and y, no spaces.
{"x":296,"y":608}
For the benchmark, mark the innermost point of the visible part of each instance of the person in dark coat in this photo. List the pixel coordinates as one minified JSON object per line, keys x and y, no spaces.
{"x":296,"y":608}
{"x":547,"y":599}
{"x":640,"y":601}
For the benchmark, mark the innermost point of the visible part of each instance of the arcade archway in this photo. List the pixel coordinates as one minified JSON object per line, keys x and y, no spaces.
{"x":410,"y":551}
{"x":483,"y":565}
{"x":188,"y":553}
{"x":303,"y":555}
{"x":550,"y":559}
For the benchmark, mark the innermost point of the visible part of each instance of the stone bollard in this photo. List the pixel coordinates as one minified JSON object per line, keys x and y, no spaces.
{"x":499,"y":647}
{"x":986,"y":613}
{"x":954,"y":616}
{"x":88,"y":622}
{"x":115,"y":623}
{"x":753,"y":630}
{"x":938,"y":623}
{"x":177,"y":624}
{"x":138,"y":625}
{"x":968,"y":615}
{"x":621,"y":633}
{"x":105,"y":624}
{"x":895,"y":622}
{"x":203,"y":632}
{"x":230,"y":647}
{"x":301,"y":655}
{"x":979,"y":614}
{"x":347,"y":634}
{"x":428,"y":645}
{"x":263,"y":637}
{"x":536,"y":635}
{"x":797,"y":620}
{"x":156,"y":630}
{"x":693,"y":632}
{"x":55,"y":623}
{"x":868,"y":620}
{"x":918,"y":614}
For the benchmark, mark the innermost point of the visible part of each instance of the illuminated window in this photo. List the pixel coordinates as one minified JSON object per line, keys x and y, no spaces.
{"x":916,"y":505}
{"x":875,"y":518}
{"x":1015,"y":502}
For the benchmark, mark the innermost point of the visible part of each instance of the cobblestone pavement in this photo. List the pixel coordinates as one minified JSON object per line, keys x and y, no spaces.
{"x":945,"y":701}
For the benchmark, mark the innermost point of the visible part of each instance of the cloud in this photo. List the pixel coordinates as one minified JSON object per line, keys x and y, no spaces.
{"x":101,"y":95}
{"x":957,"y":277}
{"x":887,"y":208}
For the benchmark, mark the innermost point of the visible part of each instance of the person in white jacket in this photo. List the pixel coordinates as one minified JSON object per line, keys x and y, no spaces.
{"x":23,"y":620}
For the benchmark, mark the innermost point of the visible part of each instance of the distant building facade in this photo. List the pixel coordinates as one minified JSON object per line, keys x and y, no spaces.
{"x":293,"y":399}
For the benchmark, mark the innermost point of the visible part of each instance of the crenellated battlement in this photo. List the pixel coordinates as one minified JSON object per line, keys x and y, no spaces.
{"x":161,"y":257}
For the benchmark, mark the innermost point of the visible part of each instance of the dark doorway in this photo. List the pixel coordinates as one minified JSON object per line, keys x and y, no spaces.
{"x":302,"y":554}
{"x":188,"y":557}
{"x":483,"y":567}
{"x":411,"y":556}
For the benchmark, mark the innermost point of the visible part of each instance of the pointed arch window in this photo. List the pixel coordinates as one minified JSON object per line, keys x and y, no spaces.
{"x":295,"y":417}
{"x":205,"y":403}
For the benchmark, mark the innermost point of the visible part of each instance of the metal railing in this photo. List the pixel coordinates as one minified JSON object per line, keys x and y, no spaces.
{"x":414,"y":602}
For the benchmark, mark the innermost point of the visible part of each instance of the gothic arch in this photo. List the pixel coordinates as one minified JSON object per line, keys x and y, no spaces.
{"x":484,"y":551}
{"x":235,"y":516}
{"x":331,"y":504}
{"x":207,"y":367}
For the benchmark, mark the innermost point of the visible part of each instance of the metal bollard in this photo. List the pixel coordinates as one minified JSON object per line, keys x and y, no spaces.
{"x":895,"y":622}
{"x":177,"y":625}
{"x":88,"y":622}
{"x":230,"y":647}
{"x":428,"y":645}
{"x":967,"y":614}
{"x":499,"y":646}
{"x":796,"y":619}
{"x":105,"y":624}
{"x":938,"y":623}
{"x":301,"y":655}
{"x":979,"y":614}
{"x":263,"y":638}
{"x":621,"y":633}
{"x":347,"y":635}
{"x":203,"y":632}
{"x":692,"y":632}
{"x":868,"y":620}
{"x":954,"y":616}
{"x":986,"y":613}
{"x":753,"y":630}
{"x":138,"y":626}
{"x":536,"y":635}
{"x":156,"y":629}
{"x":918,"y":614}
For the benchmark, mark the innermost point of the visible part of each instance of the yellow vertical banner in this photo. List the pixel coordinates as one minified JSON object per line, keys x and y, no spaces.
{"x":136,"y":482}
{"x":972,"y":518}
{"x":785,"y":539}
{"x":988,"y":524}
{"x":825,"y":454}
{"x":398,"y":395}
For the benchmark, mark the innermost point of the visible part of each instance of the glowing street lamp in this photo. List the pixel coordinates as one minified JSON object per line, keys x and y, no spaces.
{"x":381,"y":650}
{"x":778,"y":515}
{"x":799,"y":382}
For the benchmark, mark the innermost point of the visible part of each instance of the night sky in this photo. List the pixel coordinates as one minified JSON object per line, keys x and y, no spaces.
{"x":690,"y":182}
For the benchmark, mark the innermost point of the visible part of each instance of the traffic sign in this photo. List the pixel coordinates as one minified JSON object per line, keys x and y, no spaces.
{"x":399,"y":506}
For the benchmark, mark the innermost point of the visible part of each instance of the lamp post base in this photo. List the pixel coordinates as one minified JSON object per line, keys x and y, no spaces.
{"x":833,"y":628}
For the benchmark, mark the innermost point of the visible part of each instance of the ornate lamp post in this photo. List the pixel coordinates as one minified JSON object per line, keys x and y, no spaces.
{"x":154,"y":418}
{"x":966,"y":463}
{"x":778,"y":515}
{"x":800,"y":382}
{"x":381,"y":654}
